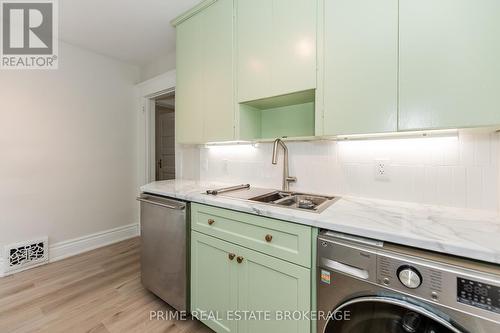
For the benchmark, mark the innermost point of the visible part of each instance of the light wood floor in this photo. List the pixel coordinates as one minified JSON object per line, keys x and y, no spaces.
{"x":99,"y":291}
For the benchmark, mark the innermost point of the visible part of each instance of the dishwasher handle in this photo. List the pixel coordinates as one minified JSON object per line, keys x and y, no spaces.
{"x":161,"y":204}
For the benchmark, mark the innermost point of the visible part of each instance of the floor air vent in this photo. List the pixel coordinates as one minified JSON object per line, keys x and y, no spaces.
{"x":26,"y":254}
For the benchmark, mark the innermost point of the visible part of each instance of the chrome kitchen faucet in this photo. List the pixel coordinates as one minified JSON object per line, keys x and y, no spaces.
{"x":287,"y":179}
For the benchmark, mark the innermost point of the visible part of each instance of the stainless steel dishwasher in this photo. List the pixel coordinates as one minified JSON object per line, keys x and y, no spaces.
{"x":164,"y":249}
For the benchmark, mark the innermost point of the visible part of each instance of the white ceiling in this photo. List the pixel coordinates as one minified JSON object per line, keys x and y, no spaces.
{"x":135,"y":31}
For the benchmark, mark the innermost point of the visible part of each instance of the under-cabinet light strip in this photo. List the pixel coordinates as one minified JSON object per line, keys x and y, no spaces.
{"x":374,"y":136}
{"x":400,"y":135}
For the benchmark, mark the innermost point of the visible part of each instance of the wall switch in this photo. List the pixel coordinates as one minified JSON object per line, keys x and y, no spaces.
{"x":381,"y":170}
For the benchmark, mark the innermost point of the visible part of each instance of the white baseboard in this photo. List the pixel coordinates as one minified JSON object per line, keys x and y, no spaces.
{"x":86,"y":243}
{"x":79,"y":245}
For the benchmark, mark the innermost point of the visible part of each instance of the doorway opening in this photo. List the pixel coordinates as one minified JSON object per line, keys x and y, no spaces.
{"x":164,"y":113}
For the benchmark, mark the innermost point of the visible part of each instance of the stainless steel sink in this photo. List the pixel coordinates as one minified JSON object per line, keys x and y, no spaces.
{"x":271,"y":197}
{"x":313,"y":203}
{"x":301,"y":201}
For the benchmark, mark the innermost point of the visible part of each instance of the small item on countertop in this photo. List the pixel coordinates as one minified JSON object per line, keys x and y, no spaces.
{"x":306,"y":204}
{"x":228,"y":189}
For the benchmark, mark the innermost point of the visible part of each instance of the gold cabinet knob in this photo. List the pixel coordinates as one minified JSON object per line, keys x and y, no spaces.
{"x":231,"y":256}
{"x":239,"y":259}
{"x":210,"y":221}
{"x":269,"y":238}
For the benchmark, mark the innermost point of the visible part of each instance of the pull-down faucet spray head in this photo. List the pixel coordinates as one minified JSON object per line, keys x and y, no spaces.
{"x":275,"y":150}
{"x":286,"y":177}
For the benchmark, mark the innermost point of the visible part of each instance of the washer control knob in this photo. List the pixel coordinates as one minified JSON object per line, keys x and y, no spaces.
{"x":386,"y":281}
{"x":409,"y":277}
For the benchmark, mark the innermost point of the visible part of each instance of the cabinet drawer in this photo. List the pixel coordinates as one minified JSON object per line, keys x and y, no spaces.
{"x":285,"y":240}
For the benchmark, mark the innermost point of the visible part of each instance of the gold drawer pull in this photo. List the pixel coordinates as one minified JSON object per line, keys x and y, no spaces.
{"x":269,"y":238}
{"x":231,"y":256}
{"x":210,"y":221}
{"x":239,"y":259}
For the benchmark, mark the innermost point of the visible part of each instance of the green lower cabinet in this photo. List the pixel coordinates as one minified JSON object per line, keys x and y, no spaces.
{"x":214,"y":285}
{"x":279,"y":288}
{"x":250,"y":285}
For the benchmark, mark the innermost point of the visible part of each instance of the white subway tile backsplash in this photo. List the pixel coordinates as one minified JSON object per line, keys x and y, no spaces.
{"x":466,"y":147}
{"x":482,"y":151}
{"x":495,"y":149}
{"x":475,"y":187}
{"x":444,"y":186}
{"x":459,"y":184}
{"x":490,"y":191}
{"x":459,"y":172}
{"x":430,"y":185}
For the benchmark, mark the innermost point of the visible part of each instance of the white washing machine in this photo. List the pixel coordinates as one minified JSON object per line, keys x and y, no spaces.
{"x":366,"y":286}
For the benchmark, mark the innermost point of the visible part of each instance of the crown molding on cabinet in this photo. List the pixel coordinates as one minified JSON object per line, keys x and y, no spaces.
{"x":193,"y":11}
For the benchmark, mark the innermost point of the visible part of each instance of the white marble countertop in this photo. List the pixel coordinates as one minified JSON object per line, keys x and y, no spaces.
{"x":468,"y":233}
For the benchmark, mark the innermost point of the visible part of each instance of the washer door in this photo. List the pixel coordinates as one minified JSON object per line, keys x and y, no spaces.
{"x":385,"y":315}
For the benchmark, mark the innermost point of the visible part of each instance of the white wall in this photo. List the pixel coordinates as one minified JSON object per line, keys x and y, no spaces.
{"x":68,"y":148}
{"x":458,"y":172}
{"x":157,"y":67}
{"x":498,"y":170}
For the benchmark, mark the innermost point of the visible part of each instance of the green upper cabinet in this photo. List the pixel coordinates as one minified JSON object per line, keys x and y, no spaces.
{"x":449,"y":63}
{"x":219,"y":78}
{"x":189,"y":85}
{"x":258,"y":69}
{"x":276,"y":47}
{"x":205,"y":89}
{"x":359,"y":65}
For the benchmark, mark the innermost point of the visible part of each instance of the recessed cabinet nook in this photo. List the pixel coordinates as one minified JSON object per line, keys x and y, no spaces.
{"x":312,"y":68}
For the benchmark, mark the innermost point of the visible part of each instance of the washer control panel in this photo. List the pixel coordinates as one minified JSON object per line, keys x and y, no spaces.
{"x":481,"y":295}
{"x":409,"y":277}
{"x":454,"y":283}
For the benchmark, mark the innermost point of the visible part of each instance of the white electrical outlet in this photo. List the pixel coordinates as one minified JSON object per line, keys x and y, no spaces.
{"x":381,"y":170}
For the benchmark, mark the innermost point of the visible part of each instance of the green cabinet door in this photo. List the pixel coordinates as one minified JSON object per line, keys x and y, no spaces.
{"x":276,"y":47}
{"x":189,"y":82}
{"x":274,"y":286}
{"x":254,"y":42}
{"x":229,"y":282}
{"x":213,"y":282}
{"x":360,"y":66}
{"x":218,"y":88}
{"x":449,"y":63}
{"x":204,"y":88}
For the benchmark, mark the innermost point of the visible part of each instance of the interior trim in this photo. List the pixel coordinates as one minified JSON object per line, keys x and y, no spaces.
{"x":193,"y":11}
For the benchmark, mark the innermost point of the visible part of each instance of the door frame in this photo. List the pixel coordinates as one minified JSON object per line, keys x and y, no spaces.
{"x":146,"y":92}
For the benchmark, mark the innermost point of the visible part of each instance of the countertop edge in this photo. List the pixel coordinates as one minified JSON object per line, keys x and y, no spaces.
{"x":285,"y":214}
